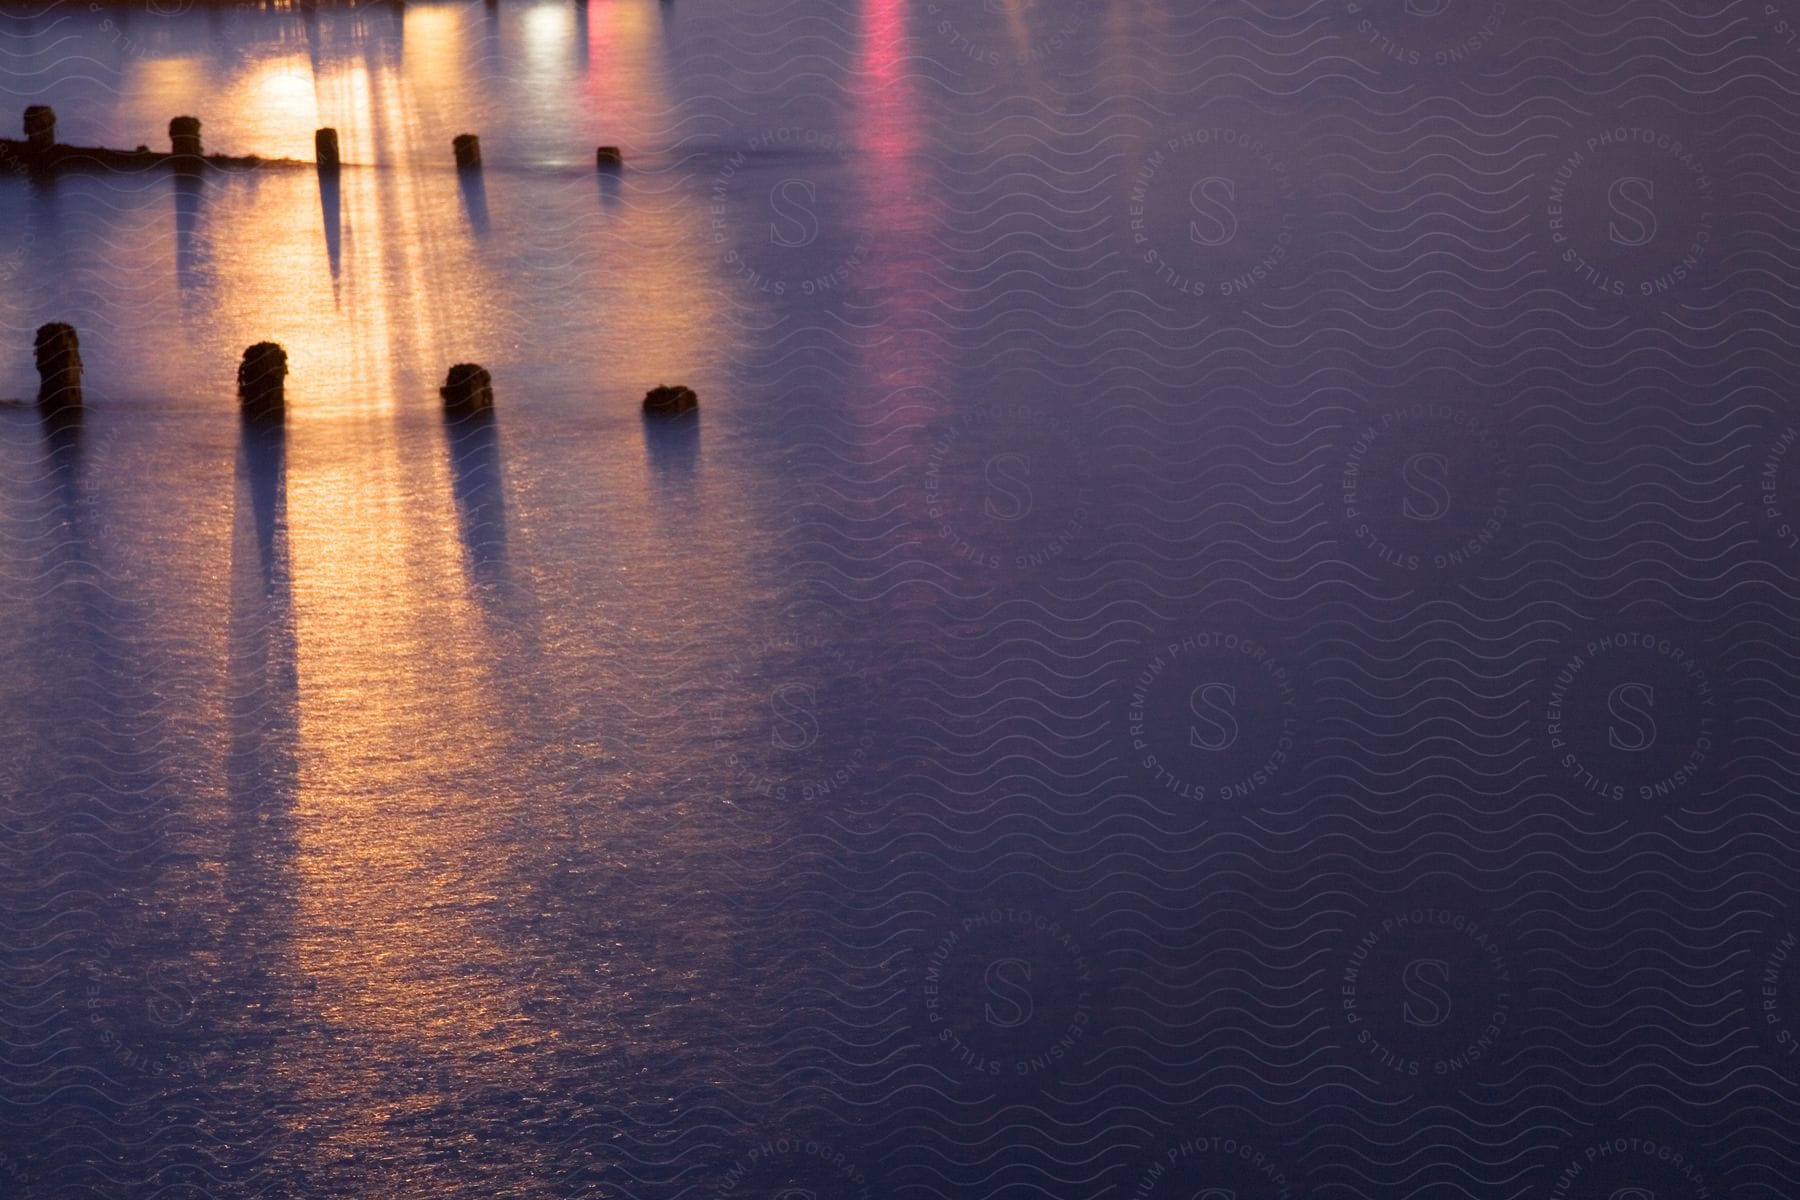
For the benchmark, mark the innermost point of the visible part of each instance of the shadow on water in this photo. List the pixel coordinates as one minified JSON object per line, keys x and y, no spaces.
{"x":476,"y":483}
{"x":474,"y":198}
{"x":261,"y":706}
{"x":331,"y":207}
{"x":62,"y":429}
{"x":672,"y":445}
{"x":609,"y":189}
{"x":190,"y":200}
{"x":262,"y":482}
{"x":44,"y":209}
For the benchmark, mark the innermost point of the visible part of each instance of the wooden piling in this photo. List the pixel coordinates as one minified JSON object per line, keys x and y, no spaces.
{"x":184,"y":137}
{"x":608,"y":156}
{"x":262,"y":380}
{"x":468,"y":389}
{"x":59,"y":366}
{"x":325,"y":146}
{"x":468,"y":150}
{"x":666,"y":401}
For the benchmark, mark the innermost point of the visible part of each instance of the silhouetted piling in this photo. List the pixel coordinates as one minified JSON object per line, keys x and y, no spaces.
{"x":59,"y":366}
{"x":468,"y":150}
{"x":468,"y":389}
{"x":325,"y":147}
{"x":184,"y":137}
{"x":40,"y":129}
{"x":262,"y":376}
{"x":608,"y":156}
{"x":666,"y":401}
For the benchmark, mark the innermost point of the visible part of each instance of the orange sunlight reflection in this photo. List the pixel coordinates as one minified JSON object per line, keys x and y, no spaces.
{"x":390,"y":814}
{"x":155,"y":89}
{"x":375,"y":282}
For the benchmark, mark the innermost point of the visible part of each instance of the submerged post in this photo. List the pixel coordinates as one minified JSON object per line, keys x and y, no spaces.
{"x":468,"y":150}
{"x":261,"y":381}
{"x":608,"y":156}
{"x":184,"y":137}
{"x":59,"y":366}
{"x":666,"y":401}
{"x":468,"y":389}
{"x":40,"y":129}
{"x":325,"y":146}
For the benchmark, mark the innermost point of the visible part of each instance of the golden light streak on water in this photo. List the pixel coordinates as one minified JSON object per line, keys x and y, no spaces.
{"x":405,"y":681}
{"x":152,"y":90}
{"x":275,"y":108}
{"x":397,"y":718}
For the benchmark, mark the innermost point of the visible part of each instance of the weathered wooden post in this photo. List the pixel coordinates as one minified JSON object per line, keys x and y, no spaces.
{"x":40,"y":129}
{"x":325,"y":146}
{"x":468,"y":150}
{"x":59,"y":366}
{"x":468,"y":389}
{"x":666,"y":401}
{"x":262,"y":381}
{"x":184,"y":137}
{"x":608,"y":156}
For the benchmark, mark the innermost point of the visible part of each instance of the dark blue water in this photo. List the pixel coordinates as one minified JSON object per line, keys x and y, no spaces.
{"x":1225,"y":629}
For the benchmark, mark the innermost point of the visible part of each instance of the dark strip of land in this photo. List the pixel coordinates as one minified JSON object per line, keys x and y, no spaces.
{"x":16,"y":156}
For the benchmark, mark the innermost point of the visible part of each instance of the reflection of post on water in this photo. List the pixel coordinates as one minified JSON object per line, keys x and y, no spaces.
{"x":474,"y":198}
{"x":478,"y":487}
{"x":190,"y":214}
{"x":672,"y":447}
{"x":261,"y":515}
{"x":331,"y":211}
{"x":262,"y":736}
{"x":62,"y":431}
